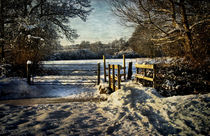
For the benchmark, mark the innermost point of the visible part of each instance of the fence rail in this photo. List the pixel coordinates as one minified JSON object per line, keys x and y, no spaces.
{"x":143,"y":73}
{"x":63,"y":73}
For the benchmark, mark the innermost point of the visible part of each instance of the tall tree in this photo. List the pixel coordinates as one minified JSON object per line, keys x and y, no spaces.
{"x":141,"y":42}
{"x":175,"y":20}
{"x":34,"y":24}
{"x":2,"y":27}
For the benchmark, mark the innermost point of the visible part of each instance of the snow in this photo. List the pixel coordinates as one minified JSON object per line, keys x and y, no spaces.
{"x":16,"y":88}
{"x":132,"y":110}
{"x":112,"y":61}
{"x":29,"y":62}
{"x":35,"y":37}
{"x":74,"y":85}
{"x":29,"y":27}
{"x":142,"y":110}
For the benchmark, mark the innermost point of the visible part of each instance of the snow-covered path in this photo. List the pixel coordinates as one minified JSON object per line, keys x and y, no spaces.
{"x":132,"y":110}
{"x":59,"y":119}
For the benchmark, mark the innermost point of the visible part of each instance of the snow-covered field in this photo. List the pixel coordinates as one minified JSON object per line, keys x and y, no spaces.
{"x":16,"y":88}
{"x":133,"y":110}
{"x":78,"y":85}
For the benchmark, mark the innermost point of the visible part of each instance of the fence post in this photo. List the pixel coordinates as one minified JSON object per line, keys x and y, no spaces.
{"x":129,"y":71}
{"x":104,"y":59}
{"x":28,"y":68}
{"x":154,"y":76}
{"x":137,"y":72}
{"x":113,"y":77}
{"x":109,"y":74}
{"x":98,"y":72}
{"x":144,"y":82}
{"x":118,"y":77}
{"x":124,"y":67}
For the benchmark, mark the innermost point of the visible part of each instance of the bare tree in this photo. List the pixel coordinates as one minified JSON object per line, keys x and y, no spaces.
{"x":175,"y":20}
{"x":2,"y":27}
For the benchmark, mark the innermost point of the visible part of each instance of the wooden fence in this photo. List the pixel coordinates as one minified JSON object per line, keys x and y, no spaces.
{"x":143,"y":73}
{"x":106,"y":68}
{"x":67,"y":73}
{"x":113,"y":78}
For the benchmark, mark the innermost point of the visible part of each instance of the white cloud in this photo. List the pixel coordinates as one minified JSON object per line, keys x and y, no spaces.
{"x":101,"y":25}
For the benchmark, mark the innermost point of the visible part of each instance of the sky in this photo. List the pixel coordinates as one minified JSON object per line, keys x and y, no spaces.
{"x":101,"y":25}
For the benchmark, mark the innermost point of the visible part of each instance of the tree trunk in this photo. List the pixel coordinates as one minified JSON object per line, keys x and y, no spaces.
{"x":25,"y":8}
{"x":188,"y":36}
{"x":2,"y":27}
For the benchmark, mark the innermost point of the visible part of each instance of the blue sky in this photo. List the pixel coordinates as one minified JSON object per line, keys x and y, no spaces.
{"x":101,"y":25}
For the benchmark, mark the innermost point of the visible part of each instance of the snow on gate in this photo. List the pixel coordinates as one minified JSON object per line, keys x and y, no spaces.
{"x":58,"y":73}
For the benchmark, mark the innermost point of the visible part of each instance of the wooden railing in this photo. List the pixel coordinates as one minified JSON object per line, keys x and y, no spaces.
{"x":142,"y":73}
{"x":113,"y":78}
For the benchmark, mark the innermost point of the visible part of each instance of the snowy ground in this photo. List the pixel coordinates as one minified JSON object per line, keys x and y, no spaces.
{"x":16,"y":88}
{"x":78,"y":85}
{"x":140,"y":110}
{"x":133,"y":110}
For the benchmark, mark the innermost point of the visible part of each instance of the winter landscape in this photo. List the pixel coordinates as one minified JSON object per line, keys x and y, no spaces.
{"x":108,"y":67}
{"x":80,"y":109}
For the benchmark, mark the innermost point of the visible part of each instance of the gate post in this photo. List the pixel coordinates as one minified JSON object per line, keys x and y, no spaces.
{"x":109,"y":74}
{"x":118,"y":77}
{"x":98,"y":73}
{"x":28,"y":68}
{"x":129,"y":71}
{"x":113,"y":77}
{"x":104,"y":59}
{"x":154,"y":75}
{"x":124,"y":67}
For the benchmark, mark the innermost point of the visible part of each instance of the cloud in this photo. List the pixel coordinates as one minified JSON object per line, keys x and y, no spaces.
{"x":101,"y":25}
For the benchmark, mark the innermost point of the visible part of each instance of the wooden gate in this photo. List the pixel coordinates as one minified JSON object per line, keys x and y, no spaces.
{"x":64,"y":74}
{"x":106,"y":68}
{"x":113,"y":78}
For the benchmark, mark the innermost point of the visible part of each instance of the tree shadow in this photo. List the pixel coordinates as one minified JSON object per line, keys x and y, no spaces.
{"x":159,"y":123}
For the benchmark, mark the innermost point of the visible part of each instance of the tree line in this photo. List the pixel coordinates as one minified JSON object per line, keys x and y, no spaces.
{"x":95,"y":50}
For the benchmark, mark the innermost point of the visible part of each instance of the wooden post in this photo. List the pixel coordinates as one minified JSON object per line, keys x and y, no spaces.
{"x":137,"y":72}
{"x":124,"y":67}
{"x":104,"y":59}
{"x":118,"y":77}
{"x":109,"y":74}
{"x":113,"y":77}
{"x":28,"y":68}
{"x":129,"y":71}
{"x":154,"y":76}
{"x":144,"y":74}
{"x":98,"y":73}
